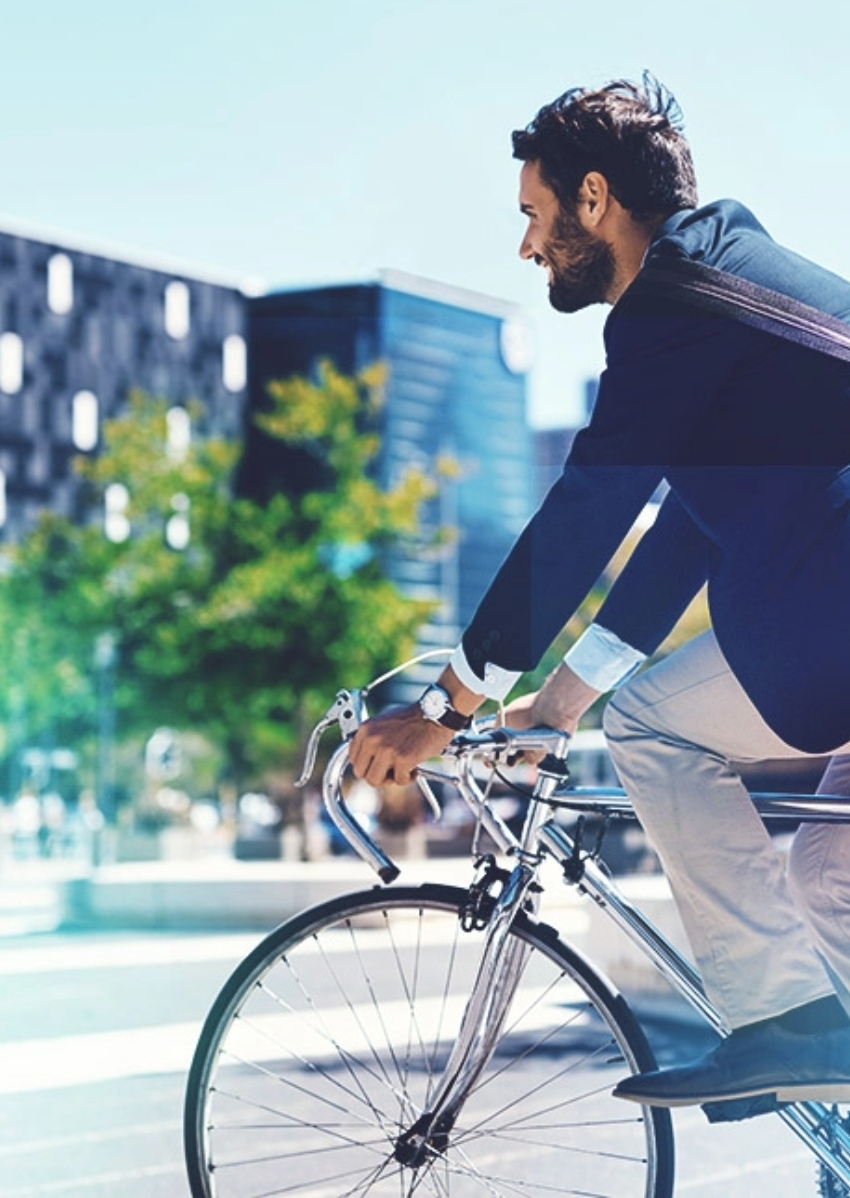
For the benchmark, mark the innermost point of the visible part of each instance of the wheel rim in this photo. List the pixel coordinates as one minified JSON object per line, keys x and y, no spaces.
{"x":325,"y":1057}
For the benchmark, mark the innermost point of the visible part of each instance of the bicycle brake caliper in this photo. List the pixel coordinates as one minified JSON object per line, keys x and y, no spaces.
{"x":475,"y":912}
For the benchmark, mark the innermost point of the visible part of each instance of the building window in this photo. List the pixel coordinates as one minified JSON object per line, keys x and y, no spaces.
{"x":234,"y":363}
{"x":11,"y":363}
{"x":85,"y":421}
{"x":116,"y":523}
{"x":60,"y":284}
{"x":177,"y":316}
{"x":177,"y":532}
{"x":178,"y":433}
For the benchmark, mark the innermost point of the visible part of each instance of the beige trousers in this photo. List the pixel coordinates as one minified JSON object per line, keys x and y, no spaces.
{"x":759,"y":929}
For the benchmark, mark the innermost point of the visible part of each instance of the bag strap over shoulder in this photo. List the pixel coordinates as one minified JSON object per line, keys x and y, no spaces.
{"x":728,"y":295}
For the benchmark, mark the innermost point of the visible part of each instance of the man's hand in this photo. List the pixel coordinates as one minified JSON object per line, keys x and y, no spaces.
{"x":560,"y":703}
{"x":389,"y":747}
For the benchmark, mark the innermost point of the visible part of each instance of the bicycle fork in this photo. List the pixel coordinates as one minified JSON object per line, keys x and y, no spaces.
{"x":497,"y":978}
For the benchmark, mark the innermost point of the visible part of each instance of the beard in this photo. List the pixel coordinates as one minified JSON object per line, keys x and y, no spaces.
{"x":582,"y":265}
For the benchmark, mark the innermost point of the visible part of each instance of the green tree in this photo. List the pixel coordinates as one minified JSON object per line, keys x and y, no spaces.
{"x":248,"y":630}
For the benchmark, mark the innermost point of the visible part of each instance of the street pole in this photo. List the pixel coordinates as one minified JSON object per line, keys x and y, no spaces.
{"x":104,"y":658}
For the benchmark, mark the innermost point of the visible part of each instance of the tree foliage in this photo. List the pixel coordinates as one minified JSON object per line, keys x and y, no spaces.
{"x":245,"y":632}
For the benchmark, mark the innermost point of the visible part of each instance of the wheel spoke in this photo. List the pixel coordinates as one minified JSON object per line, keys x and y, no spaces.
{"x":326,"y":1047}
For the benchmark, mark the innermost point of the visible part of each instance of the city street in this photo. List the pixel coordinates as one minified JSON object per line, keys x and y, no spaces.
{"x":97,"y":1031}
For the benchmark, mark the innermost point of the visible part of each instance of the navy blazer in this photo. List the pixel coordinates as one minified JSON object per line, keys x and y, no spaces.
{"x":752,"y":433}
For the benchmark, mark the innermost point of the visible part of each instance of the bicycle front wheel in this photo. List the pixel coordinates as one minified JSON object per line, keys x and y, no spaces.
{"x":327,"y":1043}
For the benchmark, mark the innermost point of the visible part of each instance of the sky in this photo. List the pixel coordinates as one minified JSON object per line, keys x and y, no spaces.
{"x":304,"y":142}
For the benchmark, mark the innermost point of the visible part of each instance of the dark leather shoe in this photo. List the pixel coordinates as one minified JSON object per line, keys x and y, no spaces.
{"x":764,"y":1058}
{"x":733,"y":1110}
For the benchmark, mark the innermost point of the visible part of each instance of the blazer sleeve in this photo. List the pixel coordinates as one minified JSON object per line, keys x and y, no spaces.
{"x":665,"y":367}
{"x":669,"y":565}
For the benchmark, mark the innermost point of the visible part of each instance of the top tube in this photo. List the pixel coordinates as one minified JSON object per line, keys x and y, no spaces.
{"x":774,"y":805}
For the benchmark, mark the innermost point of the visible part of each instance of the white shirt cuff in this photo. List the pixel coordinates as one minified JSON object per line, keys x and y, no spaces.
{"x":602,"y":660}
{"x":496,"y":682}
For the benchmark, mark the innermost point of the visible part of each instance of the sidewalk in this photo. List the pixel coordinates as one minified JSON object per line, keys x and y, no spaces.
{"x":34,"y":894}
{"x":216,"y":892}
{"x":223,"y":894}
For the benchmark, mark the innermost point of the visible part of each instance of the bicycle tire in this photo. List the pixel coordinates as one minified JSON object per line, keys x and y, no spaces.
{"x":326,"y":1041}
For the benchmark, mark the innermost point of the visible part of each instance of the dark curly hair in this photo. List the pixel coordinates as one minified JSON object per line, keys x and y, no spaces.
{"x":631,"y":134}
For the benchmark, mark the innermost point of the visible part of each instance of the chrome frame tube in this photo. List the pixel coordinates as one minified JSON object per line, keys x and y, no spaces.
{"x":612,"y":800}
{"x":809,"y":1120}
{"x":678,"y":971}
{"x":812,"y":1123}
{"x":357,"y":837}
{"x":500,"y":970}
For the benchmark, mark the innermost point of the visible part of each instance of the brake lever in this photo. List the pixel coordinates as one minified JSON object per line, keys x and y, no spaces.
{"x":348,"y":710}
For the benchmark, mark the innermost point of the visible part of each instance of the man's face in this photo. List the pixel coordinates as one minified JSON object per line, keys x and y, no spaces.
{"x":580,"y":266}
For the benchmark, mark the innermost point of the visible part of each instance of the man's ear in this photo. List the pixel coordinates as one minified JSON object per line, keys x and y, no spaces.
{"x":594,"y":199}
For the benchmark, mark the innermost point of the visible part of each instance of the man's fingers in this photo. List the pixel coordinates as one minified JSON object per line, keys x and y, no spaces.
{"x":378,"y":767}
{"x":389,"y":747}
{"x":384,"y":770}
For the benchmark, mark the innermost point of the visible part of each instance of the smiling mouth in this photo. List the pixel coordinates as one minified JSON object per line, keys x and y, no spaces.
{"x":540,"y":261}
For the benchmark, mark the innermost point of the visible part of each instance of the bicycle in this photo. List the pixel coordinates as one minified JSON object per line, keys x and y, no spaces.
{"x":443,"y":1040}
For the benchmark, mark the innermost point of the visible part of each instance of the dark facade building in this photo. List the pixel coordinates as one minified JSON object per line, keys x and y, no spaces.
{"x":456,"y":390}
{"x":79,"y":328}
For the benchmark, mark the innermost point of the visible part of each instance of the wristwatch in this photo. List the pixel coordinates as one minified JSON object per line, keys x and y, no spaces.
{"x":436,"y":705}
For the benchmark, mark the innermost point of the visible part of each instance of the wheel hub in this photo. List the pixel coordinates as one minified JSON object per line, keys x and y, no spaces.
{"x":427,"y":1138}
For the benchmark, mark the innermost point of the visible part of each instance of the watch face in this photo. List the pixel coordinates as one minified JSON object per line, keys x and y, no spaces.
{"x":433,"y":703}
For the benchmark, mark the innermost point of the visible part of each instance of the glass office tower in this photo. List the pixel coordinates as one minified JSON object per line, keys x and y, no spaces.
{"x":456,"y":393}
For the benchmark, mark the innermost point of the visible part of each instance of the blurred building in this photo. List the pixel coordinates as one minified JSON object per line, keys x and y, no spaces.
{"x":456,"y":392}
{"x":551,"y":445}
{"x":80,"y":326}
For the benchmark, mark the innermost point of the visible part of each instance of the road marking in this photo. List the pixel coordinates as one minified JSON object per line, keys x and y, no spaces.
{"x":767,"y":1164}
{"x":119,"y":954}
{"x":83,"y":1185}
{"x":182,"y":950}
{"x":101,"y":1136}
{"x":34,"y":1065}
{"x":31,"y":1065}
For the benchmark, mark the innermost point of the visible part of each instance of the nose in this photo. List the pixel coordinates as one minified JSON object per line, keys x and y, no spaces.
{"x":525,"y":248}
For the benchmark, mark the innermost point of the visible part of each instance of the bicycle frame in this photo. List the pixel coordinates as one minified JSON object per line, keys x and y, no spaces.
{"x":499,"y":973}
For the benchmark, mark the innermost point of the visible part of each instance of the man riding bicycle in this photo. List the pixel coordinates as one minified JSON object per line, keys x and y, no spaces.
{"x":751,"y":432}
